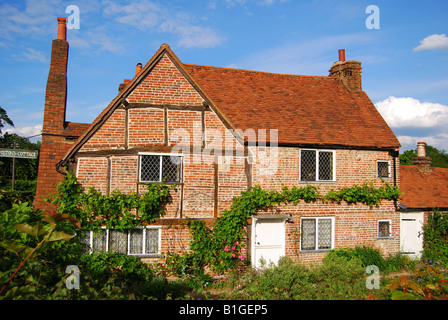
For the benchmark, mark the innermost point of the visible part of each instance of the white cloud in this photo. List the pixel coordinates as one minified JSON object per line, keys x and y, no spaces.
{"x":433,"y":42}
{"x":439,"y":141}
{"x":413,"y":121}
{"x":26,"y":131}
{"x":409,"y":112}
{"x":149,"y":16}
{"x":191,"y":36}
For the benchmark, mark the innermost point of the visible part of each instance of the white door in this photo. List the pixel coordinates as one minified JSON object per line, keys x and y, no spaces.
{"x":268,"y":240}
{"x":411,"y":236}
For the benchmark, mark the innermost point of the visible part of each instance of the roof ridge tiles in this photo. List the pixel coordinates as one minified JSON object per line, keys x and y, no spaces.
{"x":262,"y":72}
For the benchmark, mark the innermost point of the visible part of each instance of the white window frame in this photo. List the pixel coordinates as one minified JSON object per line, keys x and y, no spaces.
{"x":160,"y":155}
{"x":317,"y":165}
{"x":390,"y":229}
{"x":316,"y":244}
{"x":143,"y":254}
{"x":388,"y":169}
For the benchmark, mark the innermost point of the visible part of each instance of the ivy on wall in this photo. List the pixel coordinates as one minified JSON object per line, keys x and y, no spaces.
{"x":121,"y":211}
{"x":220,"y":246}
{"x":209,"y":245}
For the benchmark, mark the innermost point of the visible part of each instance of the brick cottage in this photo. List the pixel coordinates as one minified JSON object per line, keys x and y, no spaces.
{"x":229,"y":130}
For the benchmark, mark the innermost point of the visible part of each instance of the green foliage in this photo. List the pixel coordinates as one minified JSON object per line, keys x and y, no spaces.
{"x":23,"y":272}
{"x":429,"y":282}
{"x":439,"y":157}
{"x":372,"y":256}
{"x":208,"y":245}
{"x":117,"y":210}
{"x":336,"y":278}
{"x":436,"y":238}
{"x":407,"y":156}
{"x":25,"y":169}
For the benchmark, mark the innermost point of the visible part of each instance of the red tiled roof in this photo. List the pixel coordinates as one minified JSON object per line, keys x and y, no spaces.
{"x":424,"y":190}
{"x":74,"y":129}
{"x":305,"y":109}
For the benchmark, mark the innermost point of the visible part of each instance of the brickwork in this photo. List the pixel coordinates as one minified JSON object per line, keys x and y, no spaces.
{"x":143,"y":132}
{"x":111,"y":135}
{"x":165,"y":85}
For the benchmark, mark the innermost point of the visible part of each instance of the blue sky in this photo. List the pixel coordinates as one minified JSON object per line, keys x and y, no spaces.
{"x":405,"y":61}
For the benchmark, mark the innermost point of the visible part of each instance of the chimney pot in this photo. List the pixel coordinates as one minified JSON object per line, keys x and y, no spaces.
{"x":421,"y":149}
{"x":341,"y":54}
{"x":62,"y":29}
{"x":138,"y":68}
{"x":422,"y":162}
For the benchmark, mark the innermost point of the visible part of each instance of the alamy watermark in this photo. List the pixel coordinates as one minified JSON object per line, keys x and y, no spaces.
{"x":373,"y":280}
{"x":373,"y":20}
{"x":72,"y":281}
{"x":73,"y":20}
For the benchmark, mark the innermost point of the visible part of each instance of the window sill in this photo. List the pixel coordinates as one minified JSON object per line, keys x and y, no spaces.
{"x":315,"y":251}
{"x":155,"y":255}
{"x":319,"y":182}
{"x":385,"y":238}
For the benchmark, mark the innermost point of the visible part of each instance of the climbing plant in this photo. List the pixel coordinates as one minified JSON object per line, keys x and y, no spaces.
{"x":117,"y":210}
{"x":220,"y":246}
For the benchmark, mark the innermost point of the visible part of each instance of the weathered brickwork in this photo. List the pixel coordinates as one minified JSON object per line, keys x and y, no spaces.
{"x":145,"y":127}
{"x":92,"y":172}
{"x":110,"y":135}
{"x":165,"y":85}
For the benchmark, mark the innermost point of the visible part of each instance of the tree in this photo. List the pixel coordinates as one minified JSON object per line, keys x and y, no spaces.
{"x":26,"y":169}
{"x":439,"y":157}
{"x":4,"y":119}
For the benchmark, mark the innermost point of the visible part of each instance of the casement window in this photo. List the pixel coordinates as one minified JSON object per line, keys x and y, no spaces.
{"x":160,"y":168}
{"x":317,"y":233}
{"x":317,"y":165}
{"x":383,"y":169}
{"x":137,"y":241}
{"x":384,"y":229}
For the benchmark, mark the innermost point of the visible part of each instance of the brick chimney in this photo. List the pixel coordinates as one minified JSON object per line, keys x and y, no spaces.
{"x":53,"y":142}
{"x":422,"y":162}
{"x":56,"y":93}
{"x":349,"y":71}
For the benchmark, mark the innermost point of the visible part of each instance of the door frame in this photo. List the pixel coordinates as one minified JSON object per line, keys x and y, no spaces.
{"x":282,"y":220}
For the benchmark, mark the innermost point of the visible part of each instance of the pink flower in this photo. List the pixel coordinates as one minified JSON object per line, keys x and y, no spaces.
{"x":233,"y":255}
{"x":226,"y":248}
{"x":233,"y":248}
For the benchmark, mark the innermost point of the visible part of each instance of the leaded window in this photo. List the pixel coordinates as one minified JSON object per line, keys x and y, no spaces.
{"x":384,"y":229}
{"x":160,"y":168}
{"x":317,"y":165}
{"x":317,"y":233}
{"x":136,"y":241}
{"x":383,"y":169}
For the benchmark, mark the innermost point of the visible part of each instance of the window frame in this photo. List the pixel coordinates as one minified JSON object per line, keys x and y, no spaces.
{"x":390,"y":229}
{"x":316,"y":243}
{"x":317,"y":165}
{"x":128,"y":235}
{"x":389,"y":175}
{"x":160,"y":155}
